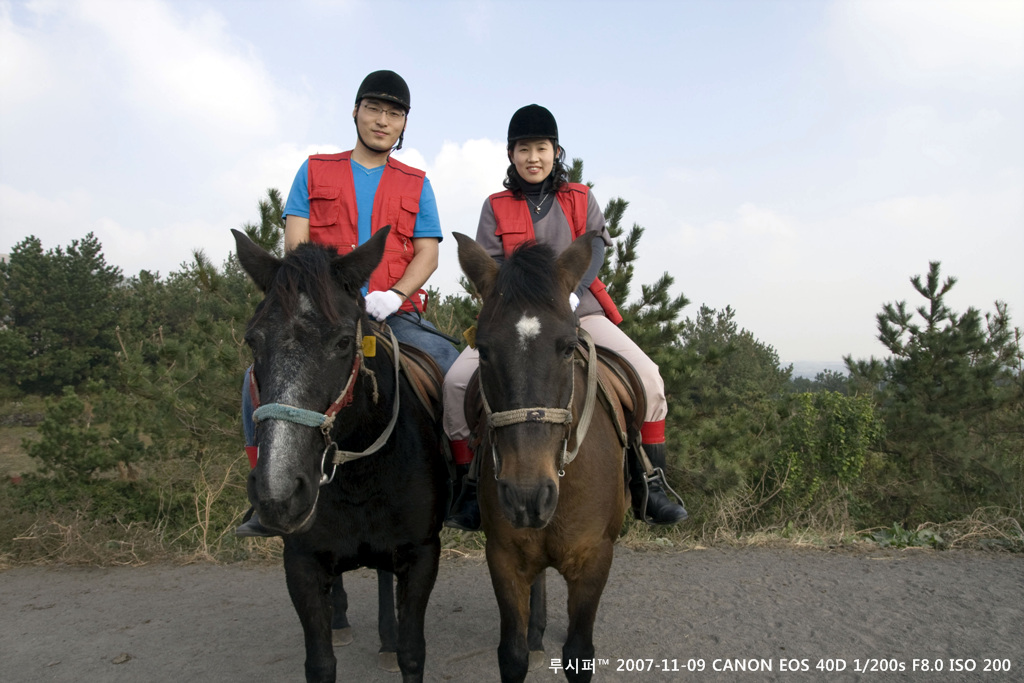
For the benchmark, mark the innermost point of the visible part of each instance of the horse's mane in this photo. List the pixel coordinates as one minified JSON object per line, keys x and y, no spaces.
{"x":307,"y":268}
{"x":528,"y":278}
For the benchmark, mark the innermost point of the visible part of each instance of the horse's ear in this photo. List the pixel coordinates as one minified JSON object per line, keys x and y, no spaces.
{"x":261,"y":265}
{"x":477,"y":264}
{"x":354,"y":269}
{"x":574,"y":261}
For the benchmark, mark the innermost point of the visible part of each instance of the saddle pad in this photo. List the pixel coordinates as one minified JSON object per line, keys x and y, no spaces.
{"x":422,"y":371}
{"x":625,"y":382}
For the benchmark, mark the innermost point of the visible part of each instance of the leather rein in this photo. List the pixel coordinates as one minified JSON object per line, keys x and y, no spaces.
{"x":325,"y":420}
{"x":562,"y":416}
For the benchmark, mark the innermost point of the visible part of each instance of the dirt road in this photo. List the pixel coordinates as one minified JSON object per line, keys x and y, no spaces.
{"x":714,"y":612}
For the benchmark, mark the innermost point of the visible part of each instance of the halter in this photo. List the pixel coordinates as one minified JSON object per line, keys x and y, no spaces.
{"x":558,"y":416}
{"x":325,"y":420}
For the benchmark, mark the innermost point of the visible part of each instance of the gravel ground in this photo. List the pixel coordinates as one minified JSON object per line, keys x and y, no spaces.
{"x":719,"y":614}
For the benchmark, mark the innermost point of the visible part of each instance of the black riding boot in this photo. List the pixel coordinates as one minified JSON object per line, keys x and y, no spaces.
{"x":465,"y":513}
{"x":252,"y":528}
{"x":661,"y":509}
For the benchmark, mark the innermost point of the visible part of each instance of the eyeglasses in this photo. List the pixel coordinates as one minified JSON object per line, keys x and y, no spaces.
{"x":375,"y":111}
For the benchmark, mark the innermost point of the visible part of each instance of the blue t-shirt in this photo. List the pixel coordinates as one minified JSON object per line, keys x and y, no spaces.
{"x":366,"y":180}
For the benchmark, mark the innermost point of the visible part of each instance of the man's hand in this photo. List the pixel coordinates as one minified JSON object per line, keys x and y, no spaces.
{"x":382,"y":304}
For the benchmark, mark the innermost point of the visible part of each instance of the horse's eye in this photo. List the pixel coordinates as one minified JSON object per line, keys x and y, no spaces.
{"x":482,"y":352}
{"x":252,"y":338}
{"x":570,"y":348}
{"x":343,"y":341}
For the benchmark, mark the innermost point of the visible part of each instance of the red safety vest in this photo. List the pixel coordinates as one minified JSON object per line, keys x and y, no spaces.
{"x":334,"y":219}
{"x":515,"y":226}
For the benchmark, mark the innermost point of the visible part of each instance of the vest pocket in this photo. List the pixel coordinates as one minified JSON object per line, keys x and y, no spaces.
{"x":511,"y":233}
{"x":324,"y":207}
{"x":402,"y":213}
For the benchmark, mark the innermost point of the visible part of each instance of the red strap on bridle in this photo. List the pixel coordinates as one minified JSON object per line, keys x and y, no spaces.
{"x":346,"y":399}
{"x":254,"y":391}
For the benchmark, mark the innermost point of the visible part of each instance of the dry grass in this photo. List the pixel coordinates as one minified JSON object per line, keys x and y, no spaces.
{"x":80,"y":541}
{"x":76,"y":540}
{"x":204,"y":536}
{"x":71,"y":537}
{"x":986,"y":528}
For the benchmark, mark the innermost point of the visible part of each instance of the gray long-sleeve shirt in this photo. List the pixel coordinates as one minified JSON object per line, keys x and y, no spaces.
{"x":552,"y":228}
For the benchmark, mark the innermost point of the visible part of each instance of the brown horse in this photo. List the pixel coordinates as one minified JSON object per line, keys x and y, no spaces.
{"x":552,"y":491}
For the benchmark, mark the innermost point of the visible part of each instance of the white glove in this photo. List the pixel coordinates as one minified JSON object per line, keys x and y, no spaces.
{"x":382,"y":304}
{"x":574,"y":301}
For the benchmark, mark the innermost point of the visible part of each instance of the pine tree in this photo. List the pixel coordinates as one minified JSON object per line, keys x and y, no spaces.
{"x":949,"y":380}
{"x":62,"y":309}
{"x":269,"y":233}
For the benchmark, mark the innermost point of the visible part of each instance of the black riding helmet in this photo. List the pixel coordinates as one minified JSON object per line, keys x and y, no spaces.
{"x":385,"y":85}
{"x":532,"y":121}
{"x":388,"y":86}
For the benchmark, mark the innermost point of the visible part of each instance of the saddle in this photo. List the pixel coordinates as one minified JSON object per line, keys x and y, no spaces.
{"x":622,"y":381}
{"x":421,"y":370}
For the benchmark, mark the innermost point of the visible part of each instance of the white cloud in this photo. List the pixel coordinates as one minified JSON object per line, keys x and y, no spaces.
{"x":25,"y":68}
{"x":462,"y":176}
{"x":951,"y":43}
{"x":756,"y":220}
{"x":193,"y":69}
{"x":246,"y":181}
{"x":55,"y":220}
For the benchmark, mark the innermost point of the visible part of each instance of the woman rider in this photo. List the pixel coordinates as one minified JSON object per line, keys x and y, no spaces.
{"x":539,"y":203}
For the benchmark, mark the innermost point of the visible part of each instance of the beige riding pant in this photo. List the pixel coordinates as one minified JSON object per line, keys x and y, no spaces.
{"x":604,"y":333}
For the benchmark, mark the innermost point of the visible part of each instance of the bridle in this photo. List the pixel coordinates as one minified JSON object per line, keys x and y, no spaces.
{"x":556,"y":416}
{"x":365,"y":347}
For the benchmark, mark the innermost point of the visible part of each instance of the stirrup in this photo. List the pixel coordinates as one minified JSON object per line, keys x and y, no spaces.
{"x":251,"y":527}
{"x":658,"y":476}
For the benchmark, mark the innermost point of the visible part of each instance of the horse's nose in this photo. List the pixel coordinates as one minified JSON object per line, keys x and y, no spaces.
{"x":283,"y":502}
{"x":528,"y":506}
{"x":298,"y":502}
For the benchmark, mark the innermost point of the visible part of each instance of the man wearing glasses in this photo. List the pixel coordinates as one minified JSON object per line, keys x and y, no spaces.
{"x":340,"y":200}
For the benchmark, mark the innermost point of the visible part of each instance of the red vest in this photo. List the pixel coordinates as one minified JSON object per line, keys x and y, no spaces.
{"x":334,"y":220}
{"x":515,"y":226}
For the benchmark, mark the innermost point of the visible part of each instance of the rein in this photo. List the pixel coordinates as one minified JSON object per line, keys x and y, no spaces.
{"x":325,"y":420}
{"x":562,"y":416}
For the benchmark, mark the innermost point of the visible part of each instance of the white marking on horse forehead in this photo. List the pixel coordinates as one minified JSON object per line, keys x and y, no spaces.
{"x":528,"y":328}
{"x":305,"y":305}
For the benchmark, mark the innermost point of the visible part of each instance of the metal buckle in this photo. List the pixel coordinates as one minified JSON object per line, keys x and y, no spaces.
{"x":324,"y":479}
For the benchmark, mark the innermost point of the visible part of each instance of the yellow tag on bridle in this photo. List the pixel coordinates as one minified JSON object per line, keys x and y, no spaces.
{"x":470,"y":336}
{"x":369,"y":346}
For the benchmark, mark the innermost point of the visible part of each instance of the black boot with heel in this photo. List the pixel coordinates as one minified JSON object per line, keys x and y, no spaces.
{"x":660,"y":508}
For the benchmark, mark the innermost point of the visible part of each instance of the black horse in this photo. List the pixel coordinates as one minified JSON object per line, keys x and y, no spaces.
{"x":350,"y":470}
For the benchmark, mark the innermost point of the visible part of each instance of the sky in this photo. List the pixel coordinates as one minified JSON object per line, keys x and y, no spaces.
{"x":798,"y":161}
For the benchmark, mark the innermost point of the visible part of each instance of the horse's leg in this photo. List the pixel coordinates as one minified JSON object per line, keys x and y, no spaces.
{"x":513,"y":596}
{"x":309,"y":585}
{"x":341,"y":630}
{"x":538,"y":620}
{"x":585,"y":588}
{"x":416,"y":569}
{"x":387,"y":624}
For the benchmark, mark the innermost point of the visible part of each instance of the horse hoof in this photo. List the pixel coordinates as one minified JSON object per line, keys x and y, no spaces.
{"x":388,"y":661}
{"x":537,"y":659}
{"x":341,"y":636}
